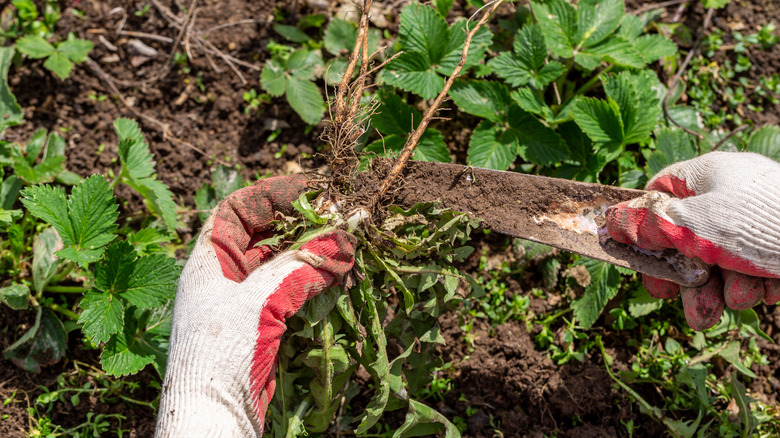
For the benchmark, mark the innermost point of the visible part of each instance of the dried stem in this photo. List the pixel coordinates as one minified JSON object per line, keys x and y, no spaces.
{"x":360,"y":44}
{"x":683,"y":67}
{"x":414,"y":137}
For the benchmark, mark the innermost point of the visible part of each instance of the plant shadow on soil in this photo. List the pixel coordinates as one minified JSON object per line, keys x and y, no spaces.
{"x":504,"y":376}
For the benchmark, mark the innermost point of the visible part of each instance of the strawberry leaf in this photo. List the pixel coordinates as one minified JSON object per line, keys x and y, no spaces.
{"x":272,"y":78}
{"x":143,"y":341}
{"x":598,"y":19}
{"x":305,"y":98}
{"x":491,"y":148}
{"x":412,"y":72}
{"x":48,"y":204}
{"x":604,"y":282}
{"x":424,"y":31}
{"x":599,"y":119}
{"x":394,"y":116}
{"x":558,"y":21}
{"x":34,"y":46}
{"x":103,"y":316}
{"x":138,"y":171}
{"x":485,"y":99}
{"x":479,"y":45}
{"x":537,"y":143}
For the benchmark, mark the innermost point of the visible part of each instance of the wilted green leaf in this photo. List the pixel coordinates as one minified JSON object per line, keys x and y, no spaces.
{"x":44,"y":344}
{"x":45,"y":263}
{"x":15,"y":296}
{"x":11,"y":113}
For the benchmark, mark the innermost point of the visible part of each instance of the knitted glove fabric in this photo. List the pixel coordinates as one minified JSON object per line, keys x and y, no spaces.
{"x":230,"y":311}
{"x":722,"y":207}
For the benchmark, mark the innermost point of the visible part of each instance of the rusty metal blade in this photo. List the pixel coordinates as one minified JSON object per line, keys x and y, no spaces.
{"x":557,"y":212}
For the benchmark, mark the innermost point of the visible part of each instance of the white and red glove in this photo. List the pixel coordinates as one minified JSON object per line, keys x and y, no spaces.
{"x":722,"y":207}
{"x":230,"y":311}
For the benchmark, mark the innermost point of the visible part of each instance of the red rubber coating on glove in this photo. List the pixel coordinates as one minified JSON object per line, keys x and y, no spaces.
{"x":741,"y":291}
{"x":704,"y":305}
{"x":243,"y":218}
{"x":335,"y":252}
{"x":772,"y":290}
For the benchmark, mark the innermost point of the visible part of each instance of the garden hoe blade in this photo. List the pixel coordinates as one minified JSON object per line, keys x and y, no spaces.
{"x":565,"y":214}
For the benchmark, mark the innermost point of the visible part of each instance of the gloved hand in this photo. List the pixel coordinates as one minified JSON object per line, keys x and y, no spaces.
{"x":723,"y":207}
{"x":230,"y":311}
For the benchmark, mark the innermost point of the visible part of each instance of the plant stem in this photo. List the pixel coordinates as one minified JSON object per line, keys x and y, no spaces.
{"x":653,"y":410}
{"x":414,"y":138}
{"x":118,"y":178}
{"x":65,"y":311}
{"x":593,"y":82}
{"x":65,"y":289}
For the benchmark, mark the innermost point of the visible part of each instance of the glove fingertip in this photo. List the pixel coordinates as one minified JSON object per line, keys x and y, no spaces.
{"x":771,"y":291}
{"x":659,"y":288}
{"x":333,"y":252}
{"x":704,"y":305}
{"x":742,"y":291}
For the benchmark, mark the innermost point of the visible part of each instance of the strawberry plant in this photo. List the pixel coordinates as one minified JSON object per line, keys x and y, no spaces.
{"x":125,"y":277}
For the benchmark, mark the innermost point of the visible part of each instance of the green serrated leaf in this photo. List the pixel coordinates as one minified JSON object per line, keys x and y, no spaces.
{"x":45,"y":171}
{"x":412,"y":72}
{"x":92,"y":210}
{"x":526,"y":99}
{"x":145,"y":282}
{"x":432,"y":147}
{"x":604,"y":282}
{"x":638,"y":104}
{"x":486,"y":99}
{"x":599,"y":119}
{"x":558,"y":21}
{"x":59,"y":64}
{"x":419,"y":414}
{"x":305,"y":98}
{"x":508,"y":67}
{"x":598,"y":19}
{"x":537,"y":143}
{"x":616,"y":49}
{"x":226,"y":181}
{"x":631,"y":26}
{"x":491,"y":148}
{"x":273,"y":78}
{"x":654,"y":47}
{"x":642,"y":304}
{"x":454,"y":51}
{"x":529,"y":47}
{"x":11,"y":113}
{"x":424,"y":31}
{"x":303,"y":64}
{"x":133,"y":150}
{"x":34,"y":46}
{"x":443,"y":7}
{"x":128,"y":351}
{"x":48,"y":204}
{"x":159,"y":199}
{"x":103,"y":316}
{"x":75,"y":49}
{"x":340,"y":37}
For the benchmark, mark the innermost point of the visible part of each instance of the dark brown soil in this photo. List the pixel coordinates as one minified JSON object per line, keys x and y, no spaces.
{"x":526,"y":393}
